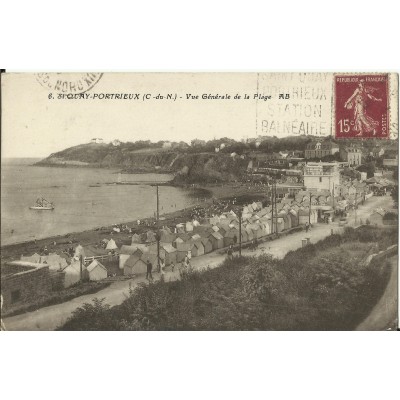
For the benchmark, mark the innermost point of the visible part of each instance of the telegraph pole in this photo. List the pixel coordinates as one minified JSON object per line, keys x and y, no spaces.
{"x":240,"y":233}
{"x":158,"y":230}
{"x":272,"y":205}
{"x":276,"y":210}
{"x":309,"y":212}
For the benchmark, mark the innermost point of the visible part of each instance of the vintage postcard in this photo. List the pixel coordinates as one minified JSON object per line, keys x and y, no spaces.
{"x":199,"y":201}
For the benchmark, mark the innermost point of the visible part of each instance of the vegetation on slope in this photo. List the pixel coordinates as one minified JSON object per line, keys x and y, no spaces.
{"x":327,"y":286}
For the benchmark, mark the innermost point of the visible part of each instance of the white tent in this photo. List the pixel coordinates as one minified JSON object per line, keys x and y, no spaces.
{"x":96,"y":271}
{"x":111,"y":245}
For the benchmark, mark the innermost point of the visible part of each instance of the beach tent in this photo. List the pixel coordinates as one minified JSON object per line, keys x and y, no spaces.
{"x":169,"y":254}
{"x":197,"y":249}
{"x":231,"y":237}
{"x":134,"y":265}
{"x":189,"y":226}
{"x":215,"y":228}
{"x":217,"y":240}
{"x":207,"y":245}
{"x":111,"y":245}
{"x":150,"y":236}
{"x":182,"y":250}
{"x":72,"y":273}
{"x":136,"y":238}
{"x":177,"y":242}
{"x":95,"y":271}
{"x":126,"y":251}
{"x":223,"y":229}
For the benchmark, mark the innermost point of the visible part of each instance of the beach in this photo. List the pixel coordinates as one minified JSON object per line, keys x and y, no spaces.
{"x":201,"y":196}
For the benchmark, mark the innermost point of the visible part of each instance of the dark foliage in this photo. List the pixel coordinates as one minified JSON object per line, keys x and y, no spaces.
{"x":326,"y":286}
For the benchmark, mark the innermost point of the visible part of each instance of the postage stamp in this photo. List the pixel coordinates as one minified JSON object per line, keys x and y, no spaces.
{"x":361,"y":106}
{"x":66,"y":83}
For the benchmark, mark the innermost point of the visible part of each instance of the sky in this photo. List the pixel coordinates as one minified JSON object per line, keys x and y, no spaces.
{"x":35,"y":123}
{"x":36,"y":126}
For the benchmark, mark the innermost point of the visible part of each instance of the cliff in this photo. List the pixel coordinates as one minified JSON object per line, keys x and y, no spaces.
{"x":187,"y":167}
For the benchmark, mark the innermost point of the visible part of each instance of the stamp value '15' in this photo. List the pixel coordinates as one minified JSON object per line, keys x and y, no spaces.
{"x":361,"y":106}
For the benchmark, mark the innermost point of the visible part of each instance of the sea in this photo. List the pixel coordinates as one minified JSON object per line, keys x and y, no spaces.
{"x":84,"y":198}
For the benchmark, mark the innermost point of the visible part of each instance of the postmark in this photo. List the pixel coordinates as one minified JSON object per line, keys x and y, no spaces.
{"x":361,"y":106}
{"x":67,"y":83}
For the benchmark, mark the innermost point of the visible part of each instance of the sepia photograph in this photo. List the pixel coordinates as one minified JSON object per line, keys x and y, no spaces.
{"x":253,"y":201}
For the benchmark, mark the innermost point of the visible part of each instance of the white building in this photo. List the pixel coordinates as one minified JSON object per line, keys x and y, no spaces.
{"x":97,"y":140}
{"x":116,"y":143}
{"x":321,"y":176}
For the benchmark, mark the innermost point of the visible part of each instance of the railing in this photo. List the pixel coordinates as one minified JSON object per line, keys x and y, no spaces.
{"x":108,"y":257}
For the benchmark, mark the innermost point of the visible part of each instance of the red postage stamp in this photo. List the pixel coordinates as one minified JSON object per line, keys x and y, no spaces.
{"x":361,"y":106}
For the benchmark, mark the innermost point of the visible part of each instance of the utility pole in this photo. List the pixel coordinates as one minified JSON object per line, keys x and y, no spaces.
{"x":276,"y":210}
{"x":158,"y":230}
{"x":272,"y":205}
{"x":240,"y":232}
{"x":81,"y":267}
{"x":309,"y":212}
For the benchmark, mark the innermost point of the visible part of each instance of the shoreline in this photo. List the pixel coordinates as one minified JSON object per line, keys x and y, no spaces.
{"x":207,"y":193}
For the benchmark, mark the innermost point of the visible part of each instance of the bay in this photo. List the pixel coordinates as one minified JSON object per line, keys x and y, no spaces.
{"x":82,"y":199}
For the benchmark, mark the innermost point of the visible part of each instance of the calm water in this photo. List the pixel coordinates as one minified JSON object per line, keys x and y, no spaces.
{"x":77,"y":205}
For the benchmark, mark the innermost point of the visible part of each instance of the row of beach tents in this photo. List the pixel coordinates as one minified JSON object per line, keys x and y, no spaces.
{"x":217,"y":232}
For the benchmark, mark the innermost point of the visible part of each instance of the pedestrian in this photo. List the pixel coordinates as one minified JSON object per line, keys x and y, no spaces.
{"x":230,"y":253}
{"x":149,"y":269}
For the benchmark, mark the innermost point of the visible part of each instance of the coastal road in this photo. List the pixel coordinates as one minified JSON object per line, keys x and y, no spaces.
{"x":49,"y":318}
{"x":384,"y":315}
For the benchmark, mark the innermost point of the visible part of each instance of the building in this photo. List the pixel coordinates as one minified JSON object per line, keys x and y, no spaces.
{"x":351,"y":155}
{"x":391,"y":162}
{"x":97,"y":140}
{"x":321,"y":176}
{"x":270,"y":159}
{"x":321,"y":149}
{"x":22,"y":282}
{"x":95,"y":271}
{"x":115,"y":143}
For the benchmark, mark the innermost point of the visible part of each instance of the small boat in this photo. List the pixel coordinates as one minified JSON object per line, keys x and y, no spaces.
{"x":42,"y":204}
